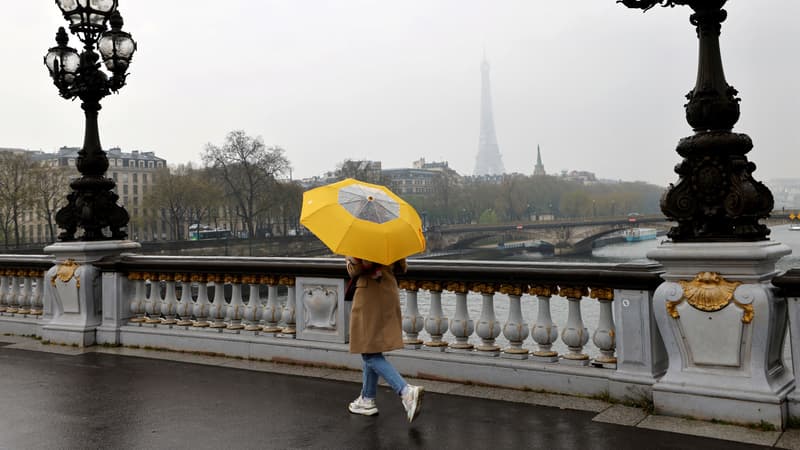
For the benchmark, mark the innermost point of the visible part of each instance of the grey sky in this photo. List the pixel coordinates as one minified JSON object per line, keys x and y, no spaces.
{"x":598,"y":86}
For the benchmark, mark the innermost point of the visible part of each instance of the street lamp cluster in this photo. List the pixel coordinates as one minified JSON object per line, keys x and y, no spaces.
{"x":92,"y":204}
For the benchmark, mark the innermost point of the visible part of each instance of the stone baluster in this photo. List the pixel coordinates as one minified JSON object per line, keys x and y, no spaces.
{"x":236,"y":306}
{"x":139,"y":298}
{"x":202,"y":306}
{"x":253,"y":310}
{"x":169,"y":306}
{"x":13,"y":292}
{"x":515,"y":328}
{"x":289,"y":316}
{"x":24,"y":298}
{"x":461,"y":326}
{"x":37,"y":307}
{"x":413,"y":322}
{"x":272,"y":310}
{"x":219,"y":309}
{"x":153,"y":303}
{"x":488,"y":327}
{"x":604,"y":336}
{"x":436,"y":322}
{"x":186,"y":302}
{"x":574,"y":334}
{"x":544,"y":331}
{"x":5,"y":285}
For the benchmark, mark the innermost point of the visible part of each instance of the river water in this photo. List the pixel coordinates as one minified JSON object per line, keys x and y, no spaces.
{"x":614,"y":253}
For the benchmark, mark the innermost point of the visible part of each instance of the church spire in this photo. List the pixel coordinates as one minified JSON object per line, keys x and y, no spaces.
{"x":539,"y":169}
{"x":489,"y":161}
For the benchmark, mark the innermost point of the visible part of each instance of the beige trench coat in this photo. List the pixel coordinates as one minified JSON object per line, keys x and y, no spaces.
{"x":376,"y":324}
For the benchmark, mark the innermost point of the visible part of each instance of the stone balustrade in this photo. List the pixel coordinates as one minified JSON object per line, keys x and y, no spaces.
{"x":264,"y":308}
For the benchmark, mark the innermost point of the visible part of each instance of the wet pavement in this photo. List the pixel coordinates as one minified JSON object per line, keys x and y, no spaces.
{"x":96,"y":400}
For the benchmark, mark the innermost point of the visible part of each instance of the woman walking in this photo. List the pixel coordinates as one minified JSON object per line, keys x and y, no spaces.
{"x":376,"y":327}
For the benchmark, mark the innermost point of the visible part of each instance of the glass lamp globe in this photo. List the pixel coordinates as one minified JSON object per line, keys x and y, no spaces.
{"x":116,"y":46}
{"x":62,"y":61}
{"x":87,"y":16}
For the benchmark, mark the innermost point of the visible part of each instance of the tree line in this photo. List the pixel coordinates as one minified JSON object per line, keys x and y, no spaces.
{"x":242,"y":183}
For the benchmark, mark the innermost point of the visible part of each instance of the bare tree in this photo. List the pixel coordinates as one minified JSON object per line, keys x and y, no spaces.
{"x":15,"y":191}
{"x":50,"y":186}
{"x":169,"y":197}
{"x":248,"y":170}
{"x":362,"y":170}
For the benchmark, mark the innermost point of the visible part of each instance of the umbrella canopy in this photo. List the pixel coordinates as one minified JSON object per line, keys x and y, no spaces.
{"x":364,"y":220}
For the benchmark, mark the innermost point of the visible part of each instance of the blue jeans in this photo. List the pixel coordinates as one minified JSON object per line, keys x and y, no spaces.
{"x":376,"y":365}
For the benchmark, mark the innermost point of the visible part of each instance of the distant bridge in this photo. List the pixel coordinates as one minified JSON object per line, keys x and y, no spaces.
{"x":567,"y":236}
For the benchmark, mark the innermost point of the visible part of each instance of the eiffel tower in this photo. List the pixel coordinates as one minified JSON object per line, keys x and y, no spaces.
{"x":489,"y":161}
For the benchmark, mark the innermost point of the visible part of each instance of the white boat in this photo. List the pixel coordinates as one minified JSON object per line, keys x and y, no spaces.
{"x":640,"y":234}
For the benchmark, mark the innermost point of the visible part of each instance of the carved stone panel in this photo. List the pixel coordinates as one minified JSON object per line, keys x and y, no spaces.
{"x":322,"y":314}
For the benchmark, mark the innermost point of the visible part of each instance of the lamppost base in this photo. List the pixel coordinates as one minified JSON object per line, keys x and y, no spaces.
{"x":75,"y":293}
{"x":723,"y":329}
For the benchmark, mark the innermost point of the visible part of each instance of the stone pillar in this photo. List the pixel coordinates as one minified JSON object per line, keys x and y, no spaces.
{"x":641,"y":357}
{"x":74,"y":292}
{"x":723,"y":329}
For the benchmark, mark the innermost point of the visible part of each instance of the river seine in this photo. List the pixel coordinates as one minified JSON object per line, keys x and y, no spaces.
{"x":614,"y":253}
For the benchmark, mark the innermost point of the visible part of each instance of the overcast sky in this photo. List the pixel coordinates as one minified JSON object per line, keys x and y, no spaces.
{"x":600,"y":87}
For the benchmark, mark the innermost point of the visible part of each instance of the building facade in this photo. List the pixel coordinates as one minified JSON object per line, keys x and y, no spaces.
{"x":135,"y":176}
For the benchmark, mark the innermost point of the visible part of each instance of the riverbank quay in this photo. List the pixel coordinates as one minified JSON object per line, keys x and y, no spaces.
{"x":116,"y":397}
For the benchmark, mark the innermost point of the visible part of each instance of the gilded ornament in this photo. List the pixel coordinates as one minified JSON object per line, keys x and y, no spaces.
{"x":748,"y":312}
{"x":672,"y":308}
{"x":267,"y":279}
{"x":483,"y":288}
{"x":601,"y":293}
{"x":197,"y":278}
{"x":231,"y":279}
{"x":709,"y":291}
{"x":286,"y":280}
{"x":511,"y":289}
{"x":433,"y":286}
{"x":133,"y":276}
{"x":573,"y":292}
{"x":459,"y":287}
{"x":544,"y":290}
{"x":409,"y":285}
{"x":65,"y":272}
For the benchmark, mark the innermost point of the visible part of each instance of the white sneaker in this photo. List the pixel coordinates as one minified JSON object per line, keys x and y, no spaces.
{"x":363,"y":406}
{"x":412,"y":401}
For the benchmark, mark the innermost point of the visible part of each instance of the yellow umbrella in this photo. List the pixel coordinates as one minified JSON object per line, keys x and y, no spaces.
{"x":364,"y":220}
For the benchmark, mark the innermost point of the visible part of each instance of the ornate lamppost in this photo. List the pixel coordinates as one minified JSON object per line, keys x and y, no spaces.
{"x":73,"y":289}
{"x":92,"y":204}
{"x":716,"y":198}
{"x":722,"y":324}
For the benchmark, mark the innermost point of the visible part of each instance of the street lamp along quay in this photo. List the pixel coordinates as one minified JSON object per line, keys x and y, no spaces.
{"x":716,"y":198}
{"x":92,"y":204}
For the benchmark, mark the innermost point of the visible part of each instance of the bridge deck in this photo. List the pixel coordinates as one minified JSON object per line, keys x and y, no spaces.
{"x":74,"y":398}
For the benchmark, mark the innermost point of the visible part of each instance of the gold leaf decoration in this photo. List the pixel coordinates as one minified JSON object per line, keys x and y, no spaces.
{"x":458,"y":287}
{"x":65,"y":271}
{"x":601,"y":293}
{"x":671,"y":308}
{"x":709,"y":291}
{"x":545,"y":290}
{"x":748,"y":313}
{"x":433,"y":286}
{"x":511,"y":289}
{"x":409,"y":285}
{"x":573,"y":292}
